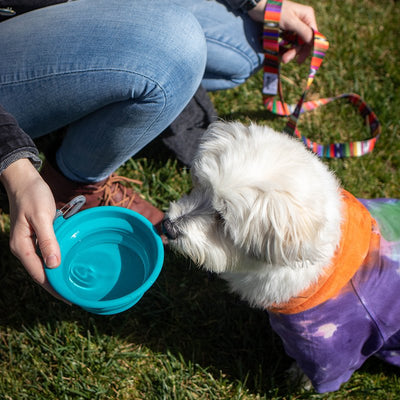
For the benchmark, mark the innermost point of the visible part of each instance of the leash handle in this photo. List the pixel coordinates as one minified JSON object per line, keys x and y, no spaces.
{"x":273,"y":41}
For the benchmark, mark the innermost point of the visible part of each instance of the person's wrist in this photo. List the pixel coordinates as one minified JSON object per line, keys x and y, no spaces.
{"x":257,"y":12}
{"x":249,"y":5}
{"x":17,"y":173}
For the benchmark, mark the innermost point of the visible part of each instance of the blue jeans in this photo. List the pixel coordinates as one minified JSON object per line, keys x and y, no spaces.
{"x":117,"y":72}
{"x":234,"y":49}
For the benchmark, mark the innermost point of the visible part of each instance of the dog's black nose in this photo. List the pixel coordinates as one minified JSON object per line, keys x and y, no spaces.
{"x":169,"y":229}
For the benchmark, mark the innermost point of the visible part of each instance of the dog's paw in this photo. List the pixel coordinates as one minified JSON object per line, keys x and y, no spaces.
{"x":297,"y":378}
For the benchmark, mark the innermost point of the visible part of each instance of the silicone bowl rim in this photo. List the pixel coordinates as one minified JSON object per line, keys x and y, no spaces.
{"x":121,"y":302}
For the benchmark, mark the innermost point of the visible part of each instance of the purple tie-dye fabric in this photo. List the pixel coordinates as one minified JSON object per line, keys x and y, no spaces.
{"x":333,"y":339}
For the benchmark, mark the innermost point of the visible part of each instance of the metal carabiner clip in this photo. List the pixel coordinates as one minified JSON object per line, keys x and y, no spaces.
{"x":7,"y":12}
{"x":71,"y":208}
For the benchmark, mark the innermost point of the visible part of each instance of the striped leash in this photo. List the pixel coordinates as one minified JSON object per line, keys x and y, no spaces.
{"x":273,"y":40}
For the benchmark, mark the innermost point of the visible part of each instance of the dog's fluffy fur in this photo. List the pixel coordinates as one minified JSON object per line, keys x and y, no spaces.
{"x":264,"y":212}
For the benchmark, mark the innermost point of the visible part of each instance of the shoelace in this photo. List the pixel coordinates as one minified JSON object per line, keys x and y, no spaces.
{"x":272,"y":41}
{"x":113,"y":186}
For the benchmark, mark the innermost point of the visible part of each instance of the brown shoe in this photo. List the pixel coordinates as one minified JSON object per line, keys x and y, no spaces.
{"x":109,"y":192}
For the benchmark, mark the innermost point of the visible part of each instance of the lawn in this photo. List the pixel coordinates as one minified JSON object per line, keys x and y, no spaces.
{"x":188,"y":337}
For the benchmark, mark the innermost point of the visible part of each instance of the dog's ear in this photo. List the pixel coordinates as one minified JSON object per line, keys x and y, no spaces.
{"x":272,"y":227}
{"x":292,"y":231}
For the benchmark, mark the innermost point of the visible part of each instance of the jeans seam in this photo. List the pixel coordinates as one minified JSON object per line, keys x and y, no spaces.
{"x":90,"y":71}
{"x":78,"y":72}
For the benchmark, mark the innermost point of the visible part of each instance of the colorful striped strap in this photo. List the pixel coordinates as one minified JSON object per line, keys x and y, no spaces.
{"x":273,"y":40}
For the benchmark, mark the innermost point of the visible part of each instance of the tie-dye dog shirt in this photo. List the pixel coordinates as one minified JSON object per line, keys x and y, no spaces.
{"x":353,"y":312}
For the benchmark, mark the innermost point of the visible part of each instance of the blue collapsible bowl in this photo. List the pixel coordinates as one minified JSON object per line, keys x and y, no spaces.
{"x":110,"y":256}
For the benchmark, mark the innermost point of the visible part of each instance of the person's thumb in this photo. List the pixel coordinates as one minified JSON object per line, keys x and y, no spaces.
{"x":48,"y":245}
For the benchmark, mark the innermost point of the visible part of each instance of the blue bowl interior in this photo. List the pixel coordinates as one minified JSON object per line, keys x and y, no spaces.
{"x":106,"y":265}
{"x":110,"y":257}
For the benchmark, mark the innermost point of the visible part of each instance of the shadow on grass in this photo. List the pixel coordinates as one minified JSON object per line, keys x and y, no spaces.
{"x":186,"y":313}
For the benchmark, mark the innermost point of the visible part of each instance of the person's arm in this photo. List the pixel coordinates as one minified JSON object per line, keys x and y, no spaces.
{"x":15,"y":143}
{"x":32,"y":205}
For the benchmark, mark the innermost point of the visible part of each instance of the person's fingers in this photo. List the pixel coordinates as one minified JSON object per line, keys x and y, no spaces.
{"x":296,"y":17}
{"x":33,"y":265}
{"x":46,"y":240}
{"x":23,"y":245}
{"x":288,"y":55}
{"x":305,"y":31}
{"x":301,"y":20}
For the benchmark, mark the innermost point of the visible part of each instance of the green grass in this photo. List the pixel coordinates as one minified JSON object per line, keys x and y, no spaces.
{"x":188,"y":338}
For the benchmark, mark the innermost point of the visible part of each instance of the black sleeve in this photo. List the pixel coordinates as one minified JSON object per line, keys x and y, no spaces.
{"x":28,"y":5}
{"x":15,"y":143}
{"x":23,"y":6}
{"x":235,"y":4}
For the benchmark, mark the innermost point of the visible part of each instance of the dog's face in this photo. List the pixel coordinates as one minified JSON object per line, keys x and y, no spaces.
{"x":259,"y":200}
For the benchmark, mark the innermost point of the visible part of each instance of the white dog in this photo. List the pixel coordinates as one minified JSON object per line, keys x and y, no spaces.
{"x":269,"y":216}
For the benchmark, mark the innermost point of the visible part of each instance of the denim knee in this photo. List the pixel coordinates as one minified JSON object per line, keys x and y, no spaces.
{"x":187,"y":55}
{"x":151,"y":74}
{"x":228,"y":65}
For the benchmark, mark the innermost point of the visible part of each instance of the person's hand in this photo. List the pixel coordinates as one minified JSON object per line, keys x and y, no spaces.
{"x":32,"y":210}
{"x":297,"y":18}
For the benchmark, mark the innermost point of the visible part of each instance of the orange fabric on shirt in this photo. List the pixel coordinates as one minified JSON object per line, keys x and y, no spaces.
{"x":353,"y":249}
